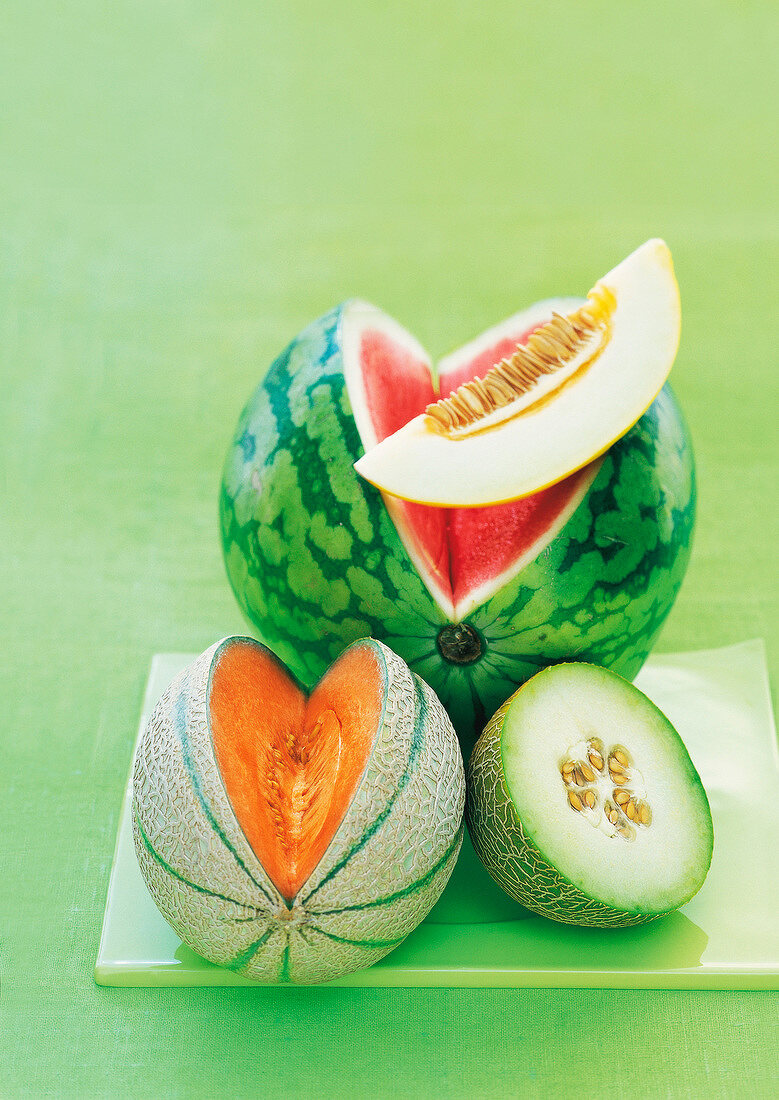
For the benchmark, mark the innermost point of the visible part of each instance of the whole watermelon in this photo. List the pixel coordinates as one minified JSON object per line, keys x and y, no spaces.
{"x":316,"y":561}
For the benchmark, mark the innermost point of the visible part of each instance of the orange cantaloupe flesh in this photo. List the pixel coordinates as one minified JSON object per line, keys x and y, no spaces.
{"x":290,"y":763}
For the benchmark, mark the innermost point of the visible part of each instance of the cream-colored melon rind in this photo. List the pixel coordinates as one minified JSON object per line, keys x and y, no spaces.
{"x":181,"y":852}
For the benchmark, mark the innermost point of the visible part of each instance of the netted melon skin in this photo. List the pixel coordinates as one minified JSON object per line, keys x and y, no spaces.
{"x":511,"y":857}
{"x":382,"y":872}
{"x":315,"y":560}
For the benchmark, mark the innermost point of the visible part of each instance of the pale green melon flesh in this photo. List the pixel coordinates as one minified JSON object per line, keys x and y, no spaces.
{"x":569,"y":865}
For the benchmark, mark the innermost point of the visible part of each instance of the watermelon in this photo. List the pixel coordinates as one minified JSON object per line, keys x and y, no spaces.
{"x":294,"y":836}
{"x":475,"y":599}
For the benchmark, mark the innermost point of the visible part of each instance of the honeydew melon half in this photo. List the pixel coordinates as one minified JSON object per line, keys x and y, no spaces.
{"x":294,"y":837}
{"x":551,"y":405}
{"x":583,"y":803}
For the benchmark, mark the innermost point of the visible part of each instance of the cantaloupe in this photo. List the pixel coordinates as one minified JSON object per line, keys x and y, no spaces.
{"x":295,"y":837}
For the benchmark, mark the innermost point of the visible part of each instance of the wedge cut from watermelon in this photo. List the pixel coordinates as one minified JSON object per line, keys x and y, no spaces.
{"x":463,"y":555}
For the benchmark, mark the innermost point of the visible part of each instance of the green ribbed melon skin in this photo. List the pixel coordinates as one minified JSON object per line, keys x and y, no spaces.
{"x":316,"y":562}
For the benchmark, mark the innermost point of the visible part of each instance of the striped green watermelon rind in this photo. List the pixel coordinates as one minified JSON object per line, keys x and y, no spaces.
{"x":508,"y":852}
{"x":382,"y":872}
{"x":316,"y":562}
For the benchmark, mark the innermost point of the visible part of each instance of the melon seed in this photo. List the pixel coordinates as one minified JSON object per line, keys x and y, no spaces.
{"x":553,"y":345}
{"x":598,"y":770}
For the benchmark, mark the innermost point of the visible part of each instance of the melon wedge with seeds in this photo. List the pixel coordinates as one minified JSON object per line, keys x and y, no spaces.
{"x":583,"y":803}
{"x":295,"y":837}
{"x":548,"y":407}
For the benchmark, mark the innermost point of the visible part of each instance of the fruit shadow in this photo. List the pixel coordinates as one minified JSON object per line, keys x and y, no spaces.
{"x":531,"y":943}
{"x":520,"y":939}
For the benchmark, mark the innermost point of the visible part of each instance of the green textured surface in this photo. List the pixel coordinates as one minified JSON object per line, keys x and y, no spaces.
{"x":183,"y":186}
{"x":315,"y":559}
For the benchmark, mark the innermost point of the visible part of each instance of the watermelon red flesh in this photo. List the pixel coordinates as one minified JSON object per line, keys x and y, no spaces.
{"x":458,"y":551}
{"x":398,"y":384}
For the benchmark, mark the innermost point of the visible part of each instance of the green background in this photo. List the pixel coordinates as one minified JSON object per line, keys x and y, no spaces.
{"x":183,"y":185}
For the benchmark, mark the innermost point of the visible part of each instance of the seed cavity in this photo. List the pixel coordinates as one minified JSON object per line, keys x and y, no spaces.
{"x":574,"y":340}
{"x":600,"y":786}
{"x":291,"y":777}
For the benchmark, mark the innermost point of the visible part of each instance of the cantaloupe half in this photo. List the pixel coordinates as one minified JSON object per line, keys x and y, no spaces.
{"x":549,"y":406}
{"x":290,"y":836}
